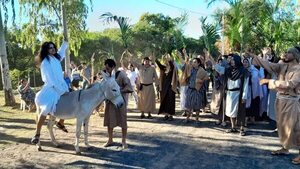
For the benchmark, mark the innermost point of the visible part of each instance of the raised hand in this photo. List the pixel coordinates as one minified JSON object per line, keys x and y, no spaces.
{"x":266,"y":50}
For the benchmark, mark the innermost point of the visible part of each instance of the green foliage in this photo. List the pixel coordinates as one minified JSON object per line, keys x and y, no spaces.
{"x":15,"y":76}
{"x":124,"y":26}
{"x":106,"y":44}
{"x":159,"y":34}
{"x":259,"y":23}
{"x":45,"y":20}
{"x":210,"y":35}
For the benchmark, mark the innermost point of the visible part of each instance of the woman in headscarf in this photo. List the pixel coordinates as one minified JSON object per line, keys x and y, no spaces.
{"x":254,"y":91}
{"x":237,"y":83}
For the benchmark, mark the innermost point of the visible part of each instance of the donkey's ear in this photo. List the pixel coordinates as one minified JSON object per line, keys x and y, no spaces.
{"x":113,"y":74}
{"x":104,"y":75}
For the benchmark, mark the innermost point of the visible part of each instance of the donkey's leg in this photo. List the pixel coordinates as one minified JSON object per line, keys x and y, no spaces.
{"x":50,"y":129}
{"x":78,"y":132}
{"x":86,"y":131}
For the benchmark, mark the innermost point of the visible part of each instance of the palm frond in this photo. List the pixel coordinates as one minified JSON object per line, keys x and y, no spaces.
{"x":123,"y":23}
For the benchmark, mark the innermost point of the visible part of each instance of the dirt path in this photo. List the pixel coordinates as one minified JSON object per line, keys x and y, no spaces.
{"x":153,"y":143}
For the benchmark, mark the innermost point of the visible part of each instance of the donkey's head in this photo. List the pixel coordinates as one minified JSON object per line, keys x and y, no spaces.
{"x":111,"y":90}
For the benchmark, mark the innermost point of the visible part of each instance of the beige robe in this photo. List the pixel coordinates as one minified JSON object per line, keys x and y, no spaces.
{"x":112,"y":115}
{"x":201,"y":76}
{"x":287,"y":101}
{"x":216,"y":100}
{"x":146,"y":96}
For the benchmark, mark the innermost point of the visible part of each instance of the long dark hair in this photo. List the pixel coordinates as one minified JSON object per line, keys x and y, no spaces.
{"x":44,"y":53}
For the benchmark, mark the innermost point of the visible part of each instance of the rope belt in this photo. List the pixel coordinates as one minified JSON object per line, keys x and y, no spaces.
{"x":288,"y":97}
{"x":234,"y":89}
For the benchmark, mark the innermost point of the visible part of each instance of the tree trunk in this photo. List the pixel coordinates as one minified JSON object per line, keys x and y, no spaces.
{"x":65,"y":29}
{"x":8,"y":94}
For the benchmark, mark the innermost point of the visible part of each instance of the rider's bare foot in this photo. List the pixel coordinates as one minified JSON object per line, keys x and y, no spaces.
{"x":108,"y":143}
{"x":296,"y":160}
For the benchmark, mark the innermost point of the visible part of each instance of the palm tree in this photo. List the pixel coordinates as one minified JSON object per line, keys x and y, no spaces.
{"x":236,"y":23}
{"x":210,"y":35}
{"x":124,"y":26}
{"x":6,"y":81}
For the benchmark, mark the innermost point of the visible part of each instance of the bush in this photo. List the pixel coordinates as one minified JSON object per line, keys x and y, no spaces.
{"x":15,"y":76}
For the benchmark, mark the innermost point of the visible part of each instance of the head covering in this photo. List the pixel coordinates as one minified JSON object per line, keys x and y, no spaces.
{"x":146,"y":58}
{"x":235,"y":73}
{"x":295,"y":51}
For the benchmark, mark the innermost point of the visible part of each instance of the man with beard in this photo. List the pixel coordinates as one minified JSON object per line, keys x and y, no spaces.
{"x":287,"y":103}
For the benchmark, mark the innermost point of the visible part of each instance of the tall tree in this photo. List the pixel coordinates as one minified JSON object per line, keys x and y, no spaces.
{"x":47,"y":17}
{"x":159,"y":33}
{"x":8,"y":94}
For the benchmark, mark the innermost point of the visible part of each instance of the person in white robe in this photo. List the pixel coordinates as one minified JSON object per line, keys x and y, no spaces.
{"x":255,"y":92}
{"x":237,"y":82}
{"x":54,"y":84}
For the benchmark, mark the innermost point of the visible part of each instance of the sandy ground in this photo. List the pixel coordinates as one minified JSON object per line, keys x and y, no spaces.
{"x":153,"y":143}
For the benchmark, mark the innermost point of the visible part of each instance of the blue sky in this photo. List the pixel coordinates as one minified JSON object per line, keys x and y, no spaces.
{"x":135,"y":8}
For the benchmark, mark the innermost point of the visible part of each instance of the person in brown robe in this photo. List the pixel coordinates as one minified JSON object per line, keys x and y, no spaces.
{"x":287,"y":100}
{"x":113,"y":116}
{"x":194,"y":77}
{"x":168,"y":88}
{"x":147,"y":76}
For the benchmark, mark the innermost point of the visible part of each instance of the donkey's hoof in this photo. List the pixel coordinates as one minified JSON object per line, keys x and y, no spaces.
{"x":39,"y":149}
{"x":78,"y":153}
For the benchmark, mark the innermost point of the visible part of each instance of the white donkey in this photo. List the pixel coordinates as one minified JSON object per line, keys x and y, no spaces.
{"x":80,"y":105}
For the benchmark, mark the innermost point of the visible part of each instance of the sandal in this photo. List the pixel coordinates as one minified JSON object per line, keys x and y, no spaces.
{"x":62,"y":127}
{"x":219,"y":122}
{"x":35,"y":139}
{"x":232,"y":130}
{"x":166,"y":117}
{"x":282,"y":151}
{"x":171,"y":118}
{"x":242,"y":133}
{"x":149,"y":116}
{"x":296,"y":160}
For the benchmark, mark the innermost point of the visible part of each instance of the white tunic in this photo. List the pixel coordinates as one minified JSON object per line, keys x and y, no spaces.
{"x":232,"y":97}
{"x":255,"y":90}
{"x":132,"y":75}
{"x":54,"y":83}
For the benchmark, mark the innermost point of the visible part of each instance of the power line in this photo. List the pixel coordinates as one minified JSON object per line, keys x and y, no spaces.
{"x":173,"y":6}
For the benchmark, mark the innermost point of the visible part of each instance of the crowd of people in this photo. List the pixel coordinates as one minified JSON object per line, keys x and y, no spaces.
{"x":245,"y":88}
